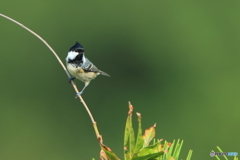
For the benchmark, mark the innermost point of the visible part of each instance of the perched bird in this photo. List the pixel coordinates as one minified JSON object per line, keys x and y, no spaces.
{"x":80,"y":67}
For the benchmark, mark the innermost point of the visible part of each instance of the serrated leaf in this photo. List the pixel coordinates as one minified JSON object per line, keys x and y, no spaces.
{"x":149,"y":135}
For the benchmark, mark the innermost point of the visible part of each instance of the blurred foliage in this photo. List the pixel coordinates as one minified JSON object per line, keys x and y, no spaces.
{"x":233,"y":156}
{"x":143,"y":146}
{"x":177,"y":61}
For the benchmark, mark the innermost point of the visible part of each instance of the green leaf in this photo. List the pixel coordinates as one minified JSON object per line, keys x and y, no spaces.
{"x":128,"y":122}
{"x":189,"y":155}
{"x":177,"y":149}
{"x":168,"y":148}
{"x":140,"y":142}
{"x":149,"y":152}
{"x":149,"y":135}
{"x":126,"y":132}
{"x":129,"y":135}
{"x":148,"y":156}
{"x":107,"y":154}
{"x":126,"y":154}
{"x":222,"y":151}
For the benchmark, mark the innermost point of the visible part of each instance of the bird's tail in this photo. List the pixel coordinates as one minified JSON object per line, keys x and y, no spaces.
{"x":103,"y":73}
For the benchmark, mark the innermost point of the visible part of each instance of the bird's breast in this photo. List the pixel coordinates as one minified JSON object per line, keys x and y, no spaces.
{"x":80,"y":74}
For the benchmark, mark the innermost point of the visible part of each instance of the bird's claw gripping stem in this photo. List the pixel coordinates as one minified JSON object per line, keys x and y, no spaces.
{"x":79,"y":93}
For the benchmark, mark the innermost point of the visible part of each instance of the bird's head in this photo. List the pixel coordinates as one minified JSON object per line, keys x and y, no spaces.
{"x":75,"y":53}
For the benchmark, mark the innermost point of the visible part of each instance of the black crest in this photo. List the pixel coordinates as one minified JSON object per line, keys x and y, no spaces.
{"x":77,"y":47}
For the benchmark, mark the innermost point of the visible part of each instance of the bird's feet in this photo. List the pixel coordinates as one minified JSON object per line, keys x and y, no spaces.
{"x":79,"y":93}
{"x":71,"y":79}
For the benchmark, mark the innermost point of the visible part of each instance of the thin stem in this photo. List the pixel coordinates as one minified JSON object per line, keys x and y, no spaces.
{"x":64,"y":68}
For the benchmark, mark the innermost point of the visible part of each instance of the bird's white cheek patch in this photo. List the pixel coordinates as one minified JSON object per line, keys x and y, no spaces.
{"x":84,"y":59}
{"x":71,"y":55}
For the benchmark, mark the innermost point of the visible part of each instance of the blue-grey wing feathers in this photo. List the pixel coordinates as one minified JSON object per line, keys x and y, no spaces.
{"x":88,"y":66}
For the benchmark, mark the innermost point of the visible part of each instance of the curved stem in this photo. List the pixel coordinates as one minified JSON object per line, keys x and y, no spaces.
{"x":64,"y":68}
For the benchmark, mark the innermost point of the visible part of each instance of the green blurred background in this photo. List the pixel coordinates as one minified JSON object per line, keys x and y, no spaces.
{"x":177,"y":62}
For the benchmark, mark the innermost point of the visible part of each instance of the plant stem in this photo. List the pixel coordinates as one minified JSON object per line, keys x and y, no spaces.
{"x":64,"y":68}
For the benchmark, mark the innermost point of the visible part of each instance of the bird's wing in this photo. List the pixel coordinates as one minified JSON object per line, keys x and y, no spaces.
{"x":89,"y":67}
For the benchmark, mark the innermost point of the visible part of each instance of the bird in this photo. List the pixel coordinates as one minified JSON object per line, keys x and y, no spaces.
{"x":80,"y":67}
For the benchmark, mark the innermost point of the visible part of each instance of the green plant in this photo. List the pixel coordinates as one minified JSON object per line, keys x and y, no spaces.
{"x":145,"y":146}
{"x":225,"y":157}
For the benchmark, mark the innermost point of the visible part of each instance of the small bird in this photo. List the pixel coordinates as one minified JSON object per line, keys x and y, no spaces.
{"x":80,"y":67}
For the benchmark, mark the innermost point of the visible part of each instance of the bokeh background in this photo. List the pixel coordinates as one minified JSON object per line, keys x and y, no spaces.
{"x":177,"y":62}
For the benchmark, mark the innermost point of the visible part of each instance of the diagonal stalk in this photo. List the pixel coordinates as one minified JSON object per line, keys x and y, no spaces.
{"x":64,"y":68}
